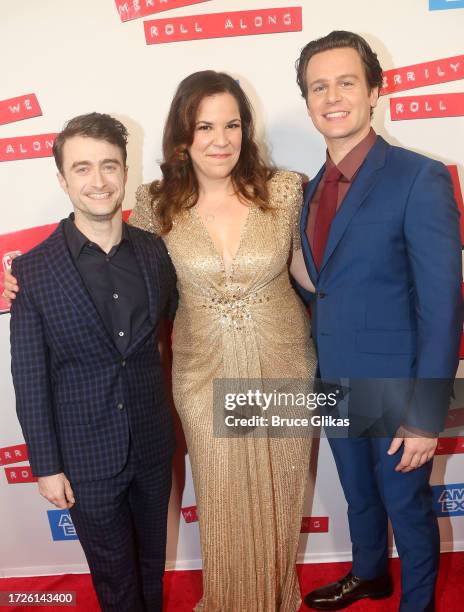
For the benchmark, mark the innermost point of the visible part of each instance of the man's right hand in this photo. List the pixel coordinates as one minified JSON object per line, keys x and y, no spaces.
{"x":11,"y":287}
{"x":57,"y":490}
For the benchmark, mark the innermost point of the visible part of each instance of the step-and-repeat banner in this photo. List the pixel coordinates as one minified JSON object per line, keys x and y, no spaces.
{"x":126,"y":57}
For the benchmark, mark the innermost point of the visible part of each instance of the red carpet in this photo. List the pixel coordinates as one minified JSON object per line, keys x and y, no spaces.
{"x":183,"y":589}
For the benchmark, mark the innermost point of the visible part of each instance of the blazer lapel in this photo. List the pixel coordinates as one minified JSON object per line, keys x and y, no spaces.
{"x":309,"y":192}
{"x":150,"y":274}
{"x":363,"y":183}
{"x":62,"y":268}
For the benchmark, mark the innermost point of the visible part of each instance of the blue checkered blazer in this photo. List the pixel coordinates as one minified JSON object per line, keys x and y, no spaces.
{"x":79,"y":401}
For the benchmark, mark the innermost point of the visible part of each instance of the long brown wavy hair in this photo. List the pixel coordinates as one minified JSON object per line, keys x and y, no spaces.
{"x":179,"y":187}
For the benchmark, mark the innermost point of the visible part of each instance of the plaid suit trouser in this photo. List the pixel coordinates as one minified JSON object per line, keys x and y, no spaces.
{"x":121,"y":524}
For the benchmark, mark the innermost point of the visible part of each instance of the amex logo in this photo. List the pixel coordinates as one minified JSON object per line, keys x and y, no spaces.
{"x":61,"y":525}
{"x":449,"y":499}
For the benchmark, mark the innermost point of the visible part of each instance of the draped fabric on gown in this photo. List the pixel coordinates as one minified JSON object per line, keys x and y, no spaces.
{"x":245,"y":321}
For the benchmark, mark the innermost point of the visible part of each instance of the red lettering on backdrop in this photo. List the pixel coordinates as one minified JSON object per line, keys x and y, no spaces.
{"x":21,"y":107}
{"x":190,"y":514}
{"x":26,"y":147}
{"x":314,"y":524}
{"x":222,"y":25}
{"x":13,"y":454}
{"x":18,"y":475}
{"x":450,"y":446}
{"x":132,"y":9}
{"x":420,"y":75}
{"x":427,"y":107}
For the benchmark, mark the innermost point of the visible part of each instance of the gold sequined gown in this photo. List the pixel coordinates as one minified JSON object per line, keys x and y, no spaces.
{"x":243,"y":322}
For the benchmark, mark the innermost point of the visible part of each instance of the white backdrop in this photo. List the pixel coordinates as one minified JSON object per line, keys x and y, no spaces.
{"x":77,"y":57}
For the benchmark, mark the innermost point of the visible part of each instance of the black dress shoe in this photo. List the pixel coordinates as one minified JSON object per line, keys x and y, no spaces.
{"x":341,"y":594}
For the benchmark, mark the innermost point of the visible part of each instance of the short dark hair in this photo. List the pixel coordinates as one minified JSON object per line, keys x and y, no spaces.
{"x":93,"y":125}
{"x":337,"y":40}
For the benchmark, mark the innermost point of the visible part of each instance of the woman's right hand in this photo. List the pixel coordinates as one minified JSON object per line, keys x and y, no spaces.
{"x":11,"y":287}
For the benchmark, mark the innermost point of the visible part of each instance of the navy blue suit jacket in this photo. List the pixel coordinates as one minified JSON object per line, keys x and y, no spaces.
{"x":388,"y":302}
{"x":79,"y":401}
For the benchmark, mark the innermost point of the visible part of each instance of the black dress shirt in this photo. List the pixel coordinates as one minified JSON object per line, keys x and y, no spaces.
{"x":114,"y":281}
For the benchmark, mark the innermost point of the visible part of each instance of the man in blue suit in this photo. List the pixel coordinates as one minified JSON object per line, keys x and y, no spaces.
{"x":87,"y":374}
{"x":381,"y":243}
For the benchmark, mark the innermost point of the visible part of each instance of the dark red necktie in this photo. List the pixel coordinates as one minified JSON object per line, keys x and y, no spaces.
{"x":325,"y":214}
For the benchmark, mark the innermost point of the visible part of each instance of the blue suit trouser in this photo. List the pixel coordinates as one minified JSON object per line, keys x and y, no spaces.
{"x":375,"y":492}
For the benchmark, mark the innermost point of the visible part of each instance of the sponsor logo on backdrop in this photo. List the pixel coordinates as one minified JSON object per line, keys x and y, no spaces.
{"x":222,"y":25}
{"x":420,"y":75}
{"x":445,"y":5}
{"x":190,"y":514}
{"x":26,"y":147}
{"x":450,"y":446}
{"x":19,"y":475}
{"x":314,"y":524}
{"x":132,"y":9}
{"x":427,"y":107}
{"x":13,"y":454}
{"x":61,"y":525}
{"x":449,"y":499}
{"x":21,"y":107}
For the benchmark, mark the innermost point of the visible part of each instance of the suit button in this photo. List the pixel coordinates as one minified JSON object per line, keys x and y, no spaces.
{"x":321,"y":295}
{"x":123,"y":363}
{"x":120,"y":406}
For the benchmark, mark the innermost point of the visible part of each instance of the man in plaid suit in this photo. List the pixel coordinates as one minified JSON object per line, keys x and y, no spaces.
{"x":86,"y":369}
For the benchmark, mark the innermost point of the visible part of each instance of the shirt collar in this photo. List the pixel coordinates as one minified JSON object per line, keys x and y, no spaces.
{"x":353,"y":160}
{"x":76,"y":240}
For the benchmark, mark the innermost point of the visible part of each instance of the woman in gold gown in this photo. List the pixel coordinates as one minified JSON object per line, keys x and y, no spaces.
{"x":231,"y":228}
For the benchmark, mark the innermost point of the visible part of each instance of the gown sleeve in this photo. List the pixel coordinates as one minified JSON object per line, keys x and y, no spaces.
{"x":294,"y":190}
{"x":143,"y":214}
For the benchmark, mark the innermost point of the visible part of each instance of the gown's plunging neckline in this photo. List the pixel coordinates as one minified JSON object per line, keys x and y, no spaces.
{"x":227,"y":269}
